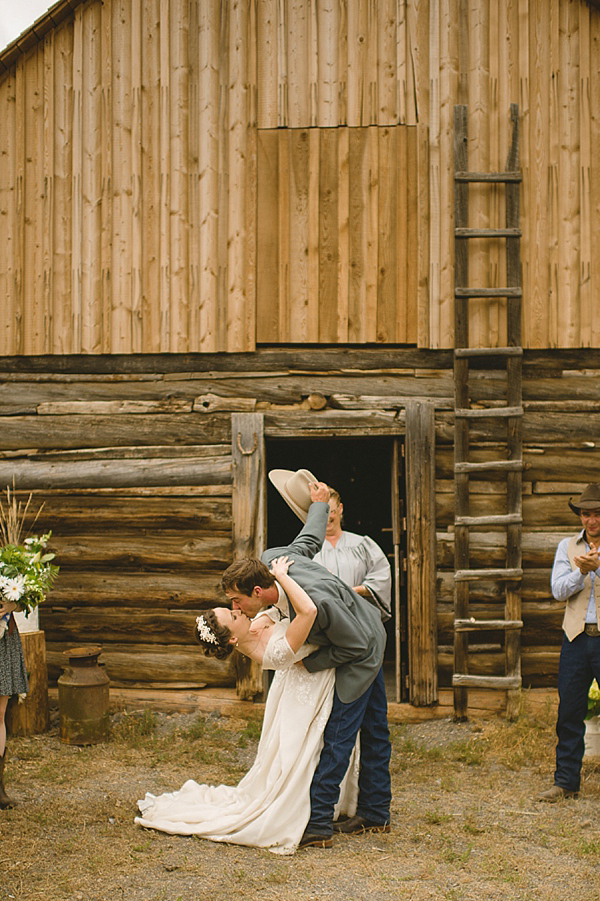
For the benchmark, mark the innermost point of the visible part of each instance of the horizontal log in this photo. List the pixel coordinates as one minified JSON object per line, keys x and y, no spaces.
{"x":535,"y":588}
{"x":61,"y":432}
{"x":548,"y":512}
{"x":211,"y":403}
{"x":65,"y":514}
{"x":112,"y":407}
{"x":325,"y":423}
{"x":115,"y":473}
{"x":538,"y":548}
{"x":542,"y":465}
{"x":466,"y":680}
{"x":391,"y":402}
{"x":166,"y":590}
{"x":98,"y":626}
{"x":170,"y":549}
{"x":139,"y":662}
{"x":481,"y":625}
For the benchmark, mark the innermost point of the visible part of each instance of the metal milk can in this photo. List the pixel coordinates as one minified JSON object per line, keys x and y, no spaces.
{"x":83,"y":698}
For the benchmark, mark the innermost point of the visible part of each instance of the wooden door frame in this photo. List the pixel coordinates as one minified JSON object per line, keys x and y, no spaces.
{"x":248,"y":447}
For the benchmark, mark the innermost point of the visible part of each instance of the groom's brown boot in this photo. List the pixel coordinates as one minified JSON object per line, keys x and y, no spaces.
{"x":5,"y":801}
{"x":310,"y":840}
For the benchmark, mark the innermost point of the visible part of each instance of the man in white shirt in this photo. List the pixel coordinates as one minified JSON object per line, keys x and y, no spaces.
{"x":575,"y":580}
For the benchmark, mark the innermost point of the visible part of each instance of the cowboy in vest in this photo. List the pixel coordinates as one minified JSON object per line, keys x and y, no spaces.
{"x":575,"y":579}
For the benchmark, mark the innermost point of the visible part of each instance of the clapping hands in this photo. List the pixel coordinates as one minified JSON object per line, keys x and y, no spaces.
{"x":588,"y":563}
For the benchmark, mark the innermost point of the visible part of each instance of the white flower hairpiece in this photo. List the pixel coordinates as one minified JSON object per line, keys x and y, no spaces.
{"x":204,"y":631}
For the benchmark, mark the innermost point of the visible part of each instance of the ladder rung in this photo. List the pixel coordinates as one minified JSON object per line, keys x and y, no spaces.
{"x":484,"y":625}
{"x":487,"y":232}
{"x":488,"y":351}
{"x":475,"y":575}
{"x":488,"y":292}
{"x":467,"y":681}
{"x":498,"y":519}
{"x":488,"y":176}
{"x":490,"y":466}
{"x":489,"y":412}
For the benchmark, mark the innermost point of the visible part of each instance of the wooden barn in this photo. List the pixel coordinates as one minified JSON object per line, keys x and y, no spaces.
{"x":354,"y":237}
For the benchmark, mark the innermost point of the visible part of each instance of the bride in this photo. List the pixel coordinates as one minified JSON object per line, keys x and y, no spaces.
{"x":270,"y":807}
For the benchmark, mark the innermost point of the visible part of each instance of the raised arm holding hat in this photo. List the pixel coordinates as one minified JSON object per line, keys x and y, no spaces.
{"x":575,"y":580}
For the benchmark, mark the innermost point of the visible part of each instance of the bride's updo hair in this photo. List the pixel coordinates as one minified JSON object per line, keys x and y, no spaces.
{"x":213,"y":637}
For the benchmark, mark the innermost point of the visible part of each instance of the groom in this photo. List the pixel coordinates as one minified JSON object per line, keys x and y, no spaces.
{"x":350,"y":637}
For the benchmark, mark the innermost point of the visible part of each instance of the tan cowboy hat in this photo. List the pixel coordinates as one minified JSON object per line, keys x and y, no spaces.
{"x":589,"y":499}
{"x":294,"y":488}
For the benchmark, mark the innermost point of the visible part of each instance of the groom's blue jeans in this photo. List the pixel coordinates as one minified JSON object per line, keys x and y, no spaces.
{"x":579,"y":665}
{"x":369,"y":715}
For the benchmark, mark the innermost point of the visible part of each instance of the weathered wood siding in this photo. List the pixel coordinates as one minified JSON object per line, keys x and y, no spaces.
{"x":134,"y":464}
{"x":134,"y":217}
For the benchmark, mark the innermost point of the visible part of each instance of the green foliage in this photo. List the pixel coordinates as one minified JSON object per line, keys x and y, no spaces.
{"x":26,"y":572}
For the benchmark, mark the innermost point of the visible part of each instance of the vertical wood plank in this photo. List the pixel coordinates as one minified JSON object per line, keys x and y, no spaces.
{"x":313,"y":235}
{"x":358,"y":176}
{"x":121,"y":178}
{"x":358,"y":87}
{"x":283,"y":219}
{"x":594,"y":54}
{"x":586,"y":298}
{"x":329,"y":75}
{"x":298,"y":86}
{"x":268,"y":239}
{"x":164,"y":290}
{"x":177,"y":25}
{"x":8,"y":249}
{"x":138,"y":337}
{"x":248,"y":517}
{"x":208,"y":154}
{"x":266,"y":58}
{"x":298,"y":234}
{"x":328,"y":235}
{"x":387,"y":79}
{"x":241,"y":327}
{"x":48,"y":194}
{"x":343,"y":238}
{"x":90,"y":180}
{"x":20,"y":210}
{"x":107,"y":194}
{"x":417,"y":301}
{"x":388,"y":236}
{"x":77,"y":213}
{"x":420,"y":524}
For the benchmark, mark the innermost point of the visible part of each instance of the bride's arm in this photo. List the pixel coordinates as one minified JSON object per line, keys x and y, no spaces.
{"x":306,"y":611}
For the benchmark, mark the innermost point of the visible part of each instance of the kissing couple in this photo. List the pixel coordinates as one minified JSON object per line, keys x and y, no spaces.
{"x":326,"y":645}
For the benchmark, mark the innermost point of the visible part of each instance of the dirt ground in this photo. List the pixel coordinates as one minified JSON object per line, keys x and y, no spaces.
{"x":466,"y":822}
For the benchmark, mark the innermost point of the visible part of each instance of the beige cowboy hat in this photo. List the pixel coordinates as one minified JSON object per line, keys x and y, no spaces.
{"x":589,"y":499}
{"x":294,"y":488}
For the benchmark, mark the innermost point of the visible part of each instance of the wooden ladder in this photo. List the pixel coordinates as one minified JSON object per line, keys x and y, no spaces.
{"x":508,"y":408}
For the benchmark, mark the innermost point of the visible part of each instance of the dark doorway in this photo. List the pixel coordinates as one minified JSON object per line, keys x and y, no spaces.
{"x":361,"y":470}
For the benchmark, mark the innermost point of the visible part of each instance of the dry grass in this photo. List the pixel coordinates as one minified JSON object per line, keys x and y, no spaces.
{"x":466,"y":825}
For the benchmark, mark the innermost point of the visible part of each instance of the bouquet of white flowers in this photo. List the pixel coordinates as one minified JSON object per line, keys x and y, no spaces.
{"x":26,"y":572}
{"x":26,"y":569}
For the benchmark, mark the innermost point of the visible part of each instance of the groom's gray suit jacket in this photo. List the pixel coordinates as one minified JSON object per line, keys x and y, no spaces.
{"x":348,"y":629}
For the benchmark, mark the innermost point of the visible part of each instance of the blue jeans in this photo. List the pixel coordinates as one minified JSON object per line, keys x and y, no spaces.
{"x":579,"y":665}
{"x":369,"y":715}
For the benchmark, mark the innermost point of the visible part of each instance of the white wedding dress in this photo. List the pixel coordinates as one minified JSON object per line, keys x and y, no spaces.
{"x":270,"y":807}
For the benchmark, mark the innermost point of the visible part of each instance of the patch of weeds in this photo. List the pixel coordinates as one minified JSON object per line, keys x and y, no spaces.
{"x":589,"y":847}
{"x":278,"y":876}
{"x":436,"y":817}
{"x":253,"y":730}
{"x":469,"y":752}
{"x":452,"y":855}
{"x":196,"y":730}
{"x":133,"y":729}
{"x":471,"y":827}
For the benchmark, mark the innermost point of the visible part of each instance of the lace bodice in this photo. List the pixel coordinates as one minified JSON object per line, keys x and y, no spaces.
{"x":278,"y":654}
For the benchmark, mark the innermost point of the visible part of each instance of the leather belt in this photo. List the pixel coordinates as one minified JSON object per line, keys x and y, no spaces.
{"x":591,"y":629}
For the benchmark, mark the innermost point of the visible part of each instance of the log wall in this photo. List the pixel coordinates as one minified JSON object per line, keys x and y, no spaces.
{"x":201,"y":176}
{"x":134,"y":465}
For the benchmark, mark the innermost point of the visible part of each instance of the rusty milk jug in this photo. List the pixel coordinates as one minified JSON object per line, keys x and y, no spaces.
{"x":83,"y":698}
